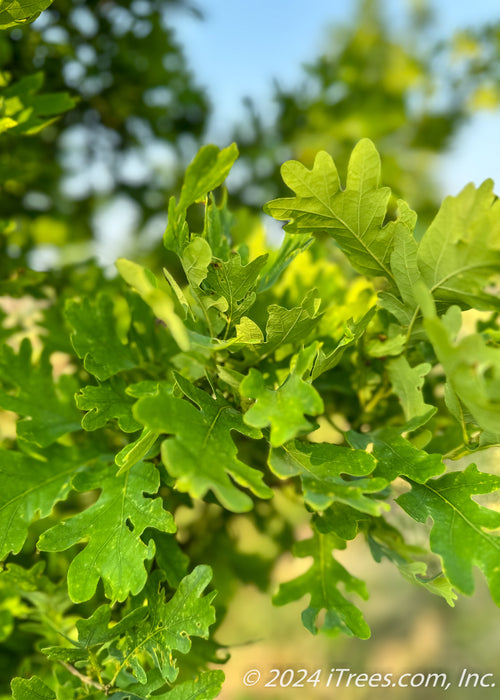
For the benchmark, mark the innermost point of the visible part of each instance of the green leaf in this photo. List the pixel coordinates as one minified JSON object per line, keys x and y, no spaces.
{"x":95,"y":337}
{"x":106,"y":402}
{"x":354,"y":216}
{"x":404,"y":255}
{"x":386,"y":541}
{"x":135,"y":451}
{"x":31,"y":486}
{"x":176,"y":236}
{"x":396,"y":456}
{"x":29,"y":688}
{"x":329,"y":357}
{"x":277,"y":262}
{"x":340,"y":519}
{"x":181,"y":297}
{"x":113,"y":527}
{"x":208,"y":170}
{"x":96,"y":630}
{"x":289,"y":325}
{"x":30,"y":111}
{"x":170,"y":625}
{"x":472,"y":367}
{"x":407,"y":383}
{"x":321,"y":466}
{"x":170,"y":558}
{"x":283,"y":408}
{"x":460,"y":252}
{"x":202,"y":456}
{"x":462,"y":529}
{"x":236,"y":283}
{"x":320,"y":582}
{"x":196,"y":258}
{"x":162,"y":304}
{"x":392,"y":342}
{"x":218,"y":220}
{"x":48,"y":406}
{"x":206,"y":687}
{"x":248,"y":332}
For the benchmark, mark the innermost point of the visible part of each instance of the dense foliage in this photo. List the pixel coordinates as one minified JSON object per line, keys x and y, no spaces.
{"x":192,"y":394}
{"x":153,"y":418}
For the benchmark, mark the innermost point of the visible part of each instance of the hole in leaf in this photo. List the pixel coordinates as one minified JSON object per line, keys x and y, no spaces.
{"x":129,"y":524}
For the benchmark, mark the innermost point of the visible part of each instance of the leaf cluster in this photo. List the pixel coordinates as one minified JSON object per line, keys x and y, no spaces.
{"x":194,"y":392}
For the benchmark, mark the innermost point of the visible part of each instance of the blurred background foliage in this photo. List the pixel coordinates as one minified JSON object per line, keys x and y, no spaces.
{"x":96,"y":180}
{"x":95,"y":183}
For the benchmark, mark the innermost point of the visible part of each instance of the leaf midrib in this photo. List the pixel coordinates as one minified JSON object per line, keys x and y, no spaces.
{"x":357,"y":236}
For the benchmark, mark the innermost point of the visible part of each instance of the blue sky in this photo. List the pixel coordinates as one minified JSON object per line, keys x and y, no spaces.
{"x":240,"y":47}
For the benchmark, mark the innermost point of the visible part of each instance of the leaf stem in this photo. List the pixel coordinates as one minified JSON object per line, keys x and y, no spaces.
{"x":85,"y":679}
{"x":380,"y":394}
{"x":410,"y":327}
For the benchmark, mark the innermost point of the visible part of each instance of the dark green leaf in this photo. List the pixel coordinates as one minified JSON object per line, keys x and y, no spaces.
{"x":95,"y":337}
{"x":31,"y":486}
{"x":48,"y":406}
{"x":396,"y":456}
{"x":105,"y":402}
{"x":170,"y":625}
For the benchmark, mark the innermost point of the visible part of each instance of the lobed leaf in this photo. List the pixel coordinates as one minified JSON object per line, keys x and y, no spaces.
{"x":169,"y":626}
{"x":286,"y":326}
{"x":462,"y":529}
{"x":29,"y":688}
{"x":47,"y":406}
{"x":31,"y":485}
{"x":202,"y":455}
{"x":206,"y":687}
{"x":472,"y":367}
{"x":396,"y":456}
{"x":321,"y":467}
{"x":106,"y":402}
{"x":459,"y":253}
{"x":407,"y":383}
{"x":354,"y":217}
{"x":113,"y":527}
{"x":236,"y":283}
{"x":283,"y":408}
{"x":95,"y":337}
{"x":321,"y":582}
